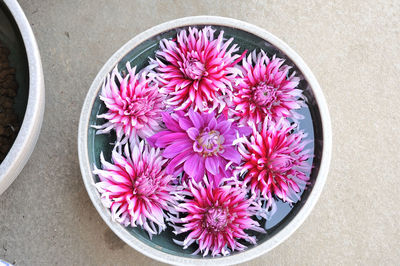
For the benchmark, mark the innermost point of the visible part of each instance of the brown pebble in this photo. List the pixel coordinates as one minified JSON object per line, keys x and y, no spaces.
{"x":11,"y":93}
{"x":10,"y":84}
{"x":5,"y":72}
{"x":8,"y":103}
{"x":4,"y":50}
{"x":4,"y":148}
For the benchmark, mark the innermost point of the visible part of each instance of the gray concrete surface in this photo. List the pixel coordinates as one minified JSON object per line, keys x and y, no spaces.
{"x":46,"y":217}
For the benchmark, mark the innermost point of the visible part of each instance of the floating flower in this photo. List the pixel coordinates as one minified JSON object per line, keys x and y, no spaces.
{"x":266,"y":90}
{"x":195,"y":70}
{"x":215,"y":218}
{"x":134,"y":109}
{"x":135,"y":187}
{"x":199,"y":143}
{"x":275,"y":160}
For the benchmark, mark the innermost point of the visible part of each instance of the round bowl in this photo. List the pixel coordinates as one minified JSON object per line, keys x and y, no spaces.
{"x":317,"y":125}
{"x":17,"y":35}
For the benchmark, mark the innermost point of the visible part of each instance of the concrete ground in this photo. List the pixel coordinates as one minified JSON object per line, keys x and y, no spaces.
{"x":46,"y":217}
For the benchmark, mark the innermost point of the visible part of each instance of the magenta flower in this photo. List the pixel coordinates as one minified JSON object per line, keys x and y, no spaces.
{"x":135,"y":187}
{"x":195,"y":70}
{"x":275,"y":162}
{"x":266,"y":90}
{"x":215,"y":218}
{"x":199,"y":144}
{"x":134,"y":109}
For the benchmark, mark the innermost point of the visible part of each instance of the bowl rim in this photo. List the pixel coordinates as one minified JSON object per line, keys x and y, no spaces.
{"x":28,"y":134}
{"x":259,"y":249}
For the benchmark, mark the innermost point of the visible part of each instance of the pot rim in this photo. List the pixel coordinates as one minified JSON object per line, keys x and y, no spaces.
{"x":28,"y":134}
{"x":257,"y":250}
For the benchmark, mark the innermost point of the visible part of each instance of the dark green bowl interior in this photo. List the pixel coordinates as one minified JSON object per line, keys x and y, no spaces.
{"x":311,"y":125}
{"x":10,"y":36}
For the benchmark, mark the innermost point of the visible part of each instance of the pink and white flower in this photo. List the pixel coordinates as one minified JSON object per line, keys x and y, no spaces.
{"x":135,"y":187}
{"x":215,"y":218}
{"x":196,"y":70}
{"x":267,"y":89}
{"x":199,"y":144}
{"x":275,"y":161}
{"x":134,"y":105}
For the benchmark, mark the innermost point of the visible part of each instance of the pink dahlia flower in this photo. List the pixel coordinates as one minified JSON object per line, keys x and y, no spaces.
{"x":199,"y":144}
{"x":275,"y":162}
{"x":135,"y":187}
{"x":195,"y":70}
{"x":134,"y":105}
{"x":215,"y":218}
{"x":267,"y":89}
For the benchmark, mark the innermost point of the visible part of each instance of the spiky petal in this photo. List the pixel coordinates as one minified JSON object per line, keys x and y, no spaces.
{"x":215,"y":217}
{"x":195,"y":70}
{"x":275,"y":161}
{"x":267,"y":89}
{"x":198,"y":144}
{"x":135,"y":187}
{"x":134,"y":105}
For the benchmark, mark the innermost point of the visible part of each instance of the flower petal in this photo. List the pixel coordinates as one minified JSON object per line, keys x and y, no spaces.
{"x":231,"y":154}
{"x":191,"y":165}
{"x":212,"y":165}
{"x":193,"y":133}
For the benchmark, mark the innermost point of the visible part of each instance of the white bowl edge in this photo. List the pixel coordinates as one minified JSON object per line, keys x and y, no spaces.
{"x":259,"y":249}
{"x":28,"y":134}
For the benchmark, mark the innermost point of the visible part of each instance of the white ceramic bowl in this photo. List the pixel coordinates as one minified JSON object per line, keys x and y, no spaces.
{"x":158,"y":251}
{"x":31,"y":124}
